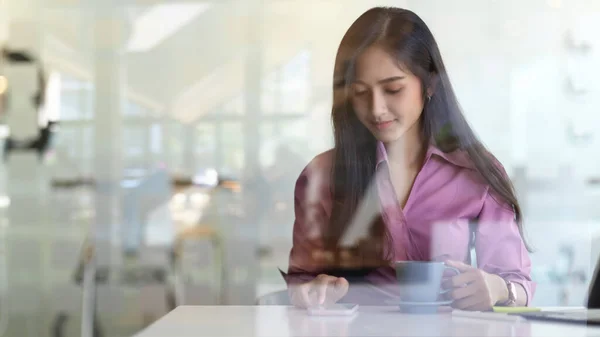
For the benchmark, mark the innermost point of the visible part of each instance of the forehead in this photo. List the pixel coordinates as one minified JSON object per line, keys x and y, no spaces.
{"x":375,"y":63}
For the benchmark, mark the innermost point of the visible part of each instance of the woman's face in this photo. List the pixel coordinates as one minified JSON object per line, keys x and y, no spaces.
{"x":386,"y":99}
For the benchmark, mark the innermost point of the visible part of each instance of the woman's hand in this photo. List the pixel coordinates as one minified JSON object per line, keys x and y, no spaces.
{"x":322,"y":290}
{"x":474,"y":289}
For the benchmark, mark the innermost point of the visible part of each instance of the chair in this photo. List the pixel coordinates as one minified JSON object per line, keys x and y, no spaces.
{"x":275,"y":298}
{"x":66,"y":296}
{"x":195,"y":234}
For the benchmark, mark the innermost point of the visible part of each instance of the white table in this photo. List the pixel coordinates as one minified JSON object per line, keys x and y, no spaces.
{"x":195,"y":321}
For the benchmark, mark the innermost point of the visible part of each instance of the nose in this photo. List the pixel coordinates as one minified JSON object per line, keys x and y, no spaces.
{"x":378,"y":104}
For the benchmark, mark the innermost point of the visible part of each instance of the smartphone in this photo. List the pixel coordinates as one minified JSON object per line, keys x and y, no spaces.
{"x":333,"y":310}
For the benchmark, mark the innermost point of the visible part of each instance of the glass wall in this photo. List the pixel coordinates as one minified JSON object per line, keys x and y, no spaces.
{"x":184,"y":127}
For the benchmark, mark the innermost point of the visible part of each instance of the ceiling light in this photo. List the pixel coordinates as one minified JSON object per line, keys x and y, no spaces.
{"x":160,"y":22}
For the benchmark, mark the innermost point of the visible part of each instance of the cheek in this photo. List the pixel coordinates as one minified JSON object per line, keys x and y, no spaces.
{"x":360,"y":108}
{"x":399,"y":105}
{"x":409,"y":105}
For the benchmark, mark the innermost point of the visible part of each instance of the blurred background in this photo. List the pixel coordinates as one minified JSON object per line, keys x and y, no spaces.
{"x":151,"y":146}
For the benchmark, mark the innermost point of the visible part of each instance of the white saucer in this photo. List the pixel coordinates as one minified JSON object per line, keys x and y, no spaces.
{"x":418,"y":304}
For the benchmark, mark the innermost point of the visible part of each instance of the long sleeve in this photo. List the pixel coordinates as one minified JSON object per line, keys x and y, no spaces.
{"x":499,"y":246}
{"x":312,"y":207}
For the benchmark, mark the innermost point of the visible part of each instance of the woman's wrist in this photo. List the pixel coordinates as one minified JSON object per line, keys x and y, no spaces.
{"x":501,"y":290}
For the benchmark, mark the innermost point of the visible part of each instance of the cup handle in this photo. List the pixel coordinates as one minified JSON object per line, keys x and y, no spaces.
{"x":442,"y":292}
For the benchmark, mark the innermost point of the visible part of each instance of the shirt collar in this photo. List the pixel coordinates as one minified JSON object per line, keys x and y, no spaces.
{"x":457,"y":157}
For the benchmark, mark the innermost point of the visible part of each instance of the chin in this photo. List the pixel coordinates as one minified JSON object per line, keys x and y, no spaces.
{"x":388,"y":138}
{"x":391,"y":135}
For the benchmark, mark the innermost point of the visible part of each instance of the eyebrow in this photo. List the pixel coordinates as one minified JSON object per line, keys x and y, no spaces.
{"x":387,"y":80}
{"x":391,"y":79}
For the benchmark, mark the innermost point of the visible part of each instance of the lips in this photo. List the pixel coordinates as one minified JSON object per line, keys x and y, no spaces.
{"x":384,"y":125}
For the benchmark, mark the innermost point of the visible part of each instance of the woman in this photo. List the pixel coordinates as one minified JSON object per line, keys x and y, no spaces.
{"x":403,"y":148}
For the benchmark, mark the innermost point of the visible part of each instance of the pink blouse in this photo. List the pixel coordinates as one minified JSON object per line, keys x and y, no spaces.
{"x":446,"y":195}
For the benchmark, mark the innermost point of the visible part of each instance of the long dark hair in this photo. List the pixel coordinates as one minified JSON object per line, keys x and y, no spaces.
{"x":407,"y":38}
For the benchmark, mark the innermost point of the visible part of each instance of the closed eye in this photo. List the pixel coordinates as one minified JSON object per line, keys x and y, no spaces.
{"x":360,"y":93}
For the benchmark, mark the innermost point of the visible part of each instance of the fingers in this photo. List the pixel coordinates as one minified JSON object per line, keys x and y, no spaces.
{"x":466,"y":297}
{"x":342,"y":284}
{"x":466,"y":278}
{"x":479,"y":300}
{"x":468,"y":303}
{"x":463,"y":292}
{"x":462,"y":267}
{"x":471,"y":291}
{"x":340,"y":289}
{"x":327,"y":289}
{"x":299,"y":295}
{"x":322,"y":282}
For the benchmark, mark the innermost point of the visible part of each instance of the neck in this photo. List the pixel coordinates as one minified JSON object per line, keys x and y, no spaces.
{"x":408,"y":151}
